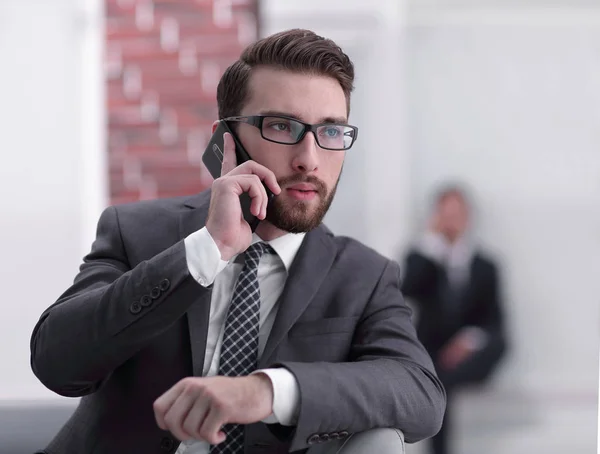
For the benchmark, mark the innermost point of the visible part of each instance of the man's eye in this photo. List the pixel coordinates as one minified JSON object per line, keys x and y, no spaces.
{"x":332,"y":132}
{"x":279,"y":126}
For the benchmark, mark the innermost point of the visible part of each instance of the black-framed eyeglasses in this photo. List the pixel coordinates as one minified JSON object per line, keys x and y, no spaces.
{"x":289,"y":131}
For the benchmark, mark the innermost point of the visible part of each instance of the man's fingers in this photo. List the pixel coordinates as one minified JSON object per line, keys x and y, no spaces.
{"x":178,"y":413}
{"x":194,"y":418}
{"x":230,"y":166}
{"x":253,"y":186}
{"x":264,"y":174}
{"x":229,"y":158}
{"x":211,"y":427}
{"x":164,"y":403}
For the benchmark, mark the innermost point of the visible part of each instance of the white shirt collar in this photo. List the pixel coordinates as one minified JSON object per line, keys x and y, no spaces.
{"x":286,"y":246}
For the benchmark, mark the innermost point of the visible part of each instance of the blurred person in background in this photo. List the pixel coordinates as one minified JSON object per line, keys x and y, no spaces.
{"x":184,"y":325}
{"x":456,"y":289}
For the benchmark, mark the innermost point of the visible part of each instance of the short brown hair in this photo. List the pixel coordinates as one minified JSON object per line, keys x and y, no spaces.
{"x":294,"y":50}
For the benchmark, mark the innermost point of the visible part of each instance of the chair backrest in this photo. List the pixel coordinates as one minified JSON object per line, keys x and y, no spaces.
{"x":380,"y":441}
{"x":28,"y":427}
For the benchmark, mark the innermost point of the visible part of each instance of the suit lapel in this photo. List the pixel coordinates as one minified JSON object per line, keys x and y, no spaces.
{"x":192,"y":219}
{"x":307,"y":273}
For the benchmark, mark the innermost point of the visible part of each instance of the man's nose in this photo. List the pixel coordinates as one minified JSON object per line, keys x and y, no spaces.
{"x":306,"y":158}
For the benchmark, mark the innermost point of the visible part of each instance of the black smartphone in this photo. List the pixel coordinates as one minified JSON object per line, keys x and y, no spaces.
{"x":213,"y":160}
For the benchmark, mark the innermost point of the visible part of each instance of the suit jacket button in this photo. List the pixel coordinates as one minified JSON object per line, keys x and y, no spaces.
{"x":313,"y":439}
{"x":326,"y":438}
{"x":166,"y":444}
{"x":155,"y":293}
{"x":135,"y":308}
{"x":146,"y":301}
{"x":334,"y":435}
{"x":343,"y":434}
{"x":164,"y":284}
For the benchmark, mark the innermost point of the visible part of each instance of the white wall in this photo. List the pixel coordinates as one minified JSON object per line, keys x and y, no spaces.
{"x":509,"y":103}
{"x":52,"y":177}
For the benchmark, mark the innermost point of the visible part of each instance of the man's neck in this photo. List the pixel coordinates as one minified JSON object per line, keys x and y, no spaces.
{"x":267,"y":231}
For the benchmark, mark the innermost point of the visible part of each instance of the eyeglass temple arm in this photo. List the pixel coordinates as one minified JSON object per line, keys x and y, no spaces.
{"x":251,"y":120}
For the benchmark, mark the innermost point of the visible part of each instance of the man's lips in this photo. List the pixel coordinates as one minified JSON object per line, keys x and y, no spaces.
{"x":305,"y":187}
{"x":303,"y":192}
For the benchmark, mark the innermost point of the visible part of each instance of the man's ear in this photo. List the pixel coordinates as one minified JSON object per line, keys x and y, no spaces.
{"x":214,"y":126}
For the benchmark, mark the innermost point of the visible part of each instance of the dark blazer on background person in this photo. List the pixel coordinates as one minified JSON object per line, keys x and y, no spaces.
{"x":135,"y":322}
{"x":425,"y":281}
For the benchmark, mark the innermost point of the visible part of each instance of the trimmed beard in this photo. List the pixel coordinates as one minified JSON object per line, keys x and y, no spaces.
{"x":296,"y":216}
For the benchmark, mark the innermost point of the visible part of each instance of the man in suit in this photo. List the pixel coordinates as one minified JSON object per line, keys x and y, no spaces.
{"x":184,"y":325}
{"x":456,"y":289}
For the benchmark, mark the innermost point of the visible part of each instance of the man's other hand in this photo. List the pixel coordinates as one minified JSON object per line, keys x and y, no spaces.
{"x":198,"y":407}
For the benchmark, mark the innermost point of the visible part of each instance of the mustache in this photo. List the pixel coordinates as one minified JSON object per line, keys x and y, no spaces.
{"x":319,"y":185}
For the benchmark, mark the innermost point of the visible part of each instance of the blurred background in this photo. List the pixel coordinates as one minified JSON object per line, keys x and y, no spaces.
{"x":109,"y":101}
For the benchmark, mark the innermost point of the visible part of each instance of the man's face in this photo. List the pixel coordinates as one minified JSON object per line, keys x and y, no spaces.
{"x":307,"y":174}
{"x":453,"y":216}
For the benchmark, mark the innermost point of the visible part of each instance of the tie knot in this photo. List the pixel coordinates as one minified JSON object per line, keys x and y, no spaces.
{"x":255,"y":252}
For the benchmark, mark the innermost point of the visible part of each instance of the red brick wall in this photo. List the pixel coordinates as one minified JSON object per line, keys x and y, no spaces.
{"x":163,"y":61}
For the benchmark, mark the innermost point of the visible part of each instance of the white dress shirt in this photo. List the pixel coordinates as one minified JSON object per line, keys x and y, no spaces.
{"x":205,"y":265}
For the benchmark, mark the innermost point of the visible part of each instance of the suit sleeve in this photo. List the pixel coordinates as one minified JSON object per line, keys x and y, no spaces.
{"x":492,"y":319}
{"x":389,"y":382}
{"x":421,"y":276}
{"x":110,"y":312}
{"x":492,"y":322}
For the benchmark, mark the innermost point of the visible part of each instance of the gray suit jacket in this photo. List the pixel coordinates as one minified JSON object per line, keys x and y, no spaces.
{"x":135,"y":322}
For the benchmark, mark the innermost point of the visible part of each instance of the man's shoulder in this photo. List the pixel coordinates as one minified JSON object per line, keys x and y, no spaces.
{"x":161,"y":206}
{"x":148,"y":215}
{"x":170,"y":203}
{"x":353,"y":253}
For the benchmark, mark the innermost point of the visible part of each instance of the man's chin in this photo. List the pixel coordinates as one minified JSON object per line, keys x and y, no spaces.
{"x":289,"y":201}
{"x":296,"y":219}
{"x":298,"y":216}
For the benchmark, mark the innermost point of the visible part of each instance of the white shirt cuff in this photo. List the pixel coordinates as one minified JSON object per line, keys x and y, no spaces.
{"x":203,"y":257}
{"x":286,"y":396}
{"x":433,"y":246}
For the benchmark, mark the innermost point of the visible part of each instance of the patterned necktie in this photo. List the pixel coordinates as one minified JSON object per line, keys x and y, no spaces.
{"x":239,"y":350}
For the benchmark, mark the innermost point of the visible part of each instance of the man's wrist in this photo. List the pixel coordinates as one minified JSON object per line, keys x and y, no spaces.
{"x":286,"y":396}
{"x":264,"y":382}
{"x":227,"y":253}
{"x":263,"y":389}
